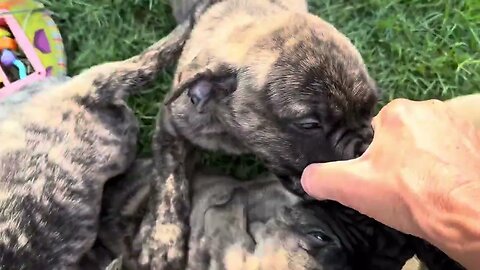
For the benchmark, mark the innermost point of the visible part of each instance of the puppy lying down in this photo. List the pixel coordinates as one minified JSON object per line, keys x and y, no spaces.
{"x":248,"y":225}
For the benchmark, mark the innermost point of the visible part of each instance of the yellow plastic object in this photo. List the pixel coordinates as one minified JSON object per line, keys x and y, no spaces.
{"x":4,"y":33}
{"x":8,"y":43}
{"x":39,"y":27}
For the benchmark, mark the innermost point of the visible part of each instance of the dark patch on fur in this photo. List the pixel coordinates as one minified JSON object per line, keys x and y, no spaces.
{"x":432,"y":257}
{"x":66,"y":116}
{"x":77,"y":157}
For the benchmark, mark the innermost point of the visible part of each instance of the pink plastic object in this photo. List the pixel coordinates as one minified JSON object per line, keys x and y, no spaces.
{"x":24,"y":44}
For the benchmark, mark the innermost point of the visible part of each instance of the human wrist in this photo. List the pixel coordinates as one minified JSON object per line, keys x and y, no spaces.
{"x":451,"y":221}
{"x":459,"y":233}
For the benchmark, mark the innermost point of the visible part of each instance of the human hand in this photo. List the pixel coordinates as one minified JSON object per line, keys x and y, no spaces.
{"x":420,"y":175}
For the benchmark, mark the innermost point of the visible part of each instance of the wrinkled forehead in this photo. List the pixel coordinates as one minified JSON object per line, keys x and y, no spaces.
{"x":310,"y":67}
{"x":305,"y":84}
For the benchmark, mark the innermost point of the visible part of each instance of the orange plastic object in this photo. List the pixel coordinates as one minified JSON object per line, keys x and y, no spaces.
{"x":6,"y":4}
{"x":8,"y":43}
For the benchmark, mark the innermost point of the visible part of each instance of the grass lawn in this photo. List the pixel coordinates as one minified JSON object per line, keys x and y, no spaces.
{"x":416,"y":49}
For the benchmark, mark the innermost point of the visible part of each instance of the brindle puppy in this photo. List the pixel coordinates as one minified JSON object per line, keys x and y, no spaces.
{"x":57,"y":150}
{"x":249,"y":225}
{"x":262,"y":77}
{"x":258,"y":77}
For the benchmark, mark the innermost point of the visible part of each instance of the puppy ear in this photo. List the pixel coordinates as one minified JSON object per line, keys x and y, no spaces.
{"x":204,"y":84}
{"x":204,"y":90}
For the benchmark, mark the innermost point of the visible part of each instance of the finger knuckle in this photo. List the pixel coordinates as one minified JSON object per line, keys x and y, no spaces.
{"x":393,"y":113}
{"x":400,"y":105}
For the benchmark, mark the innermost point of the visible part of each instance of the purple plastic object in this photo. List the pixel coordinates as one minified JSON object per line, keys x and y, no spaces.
{"x":49,"y":71}
{"x":7,"y":58}
{"x":40,"y":41}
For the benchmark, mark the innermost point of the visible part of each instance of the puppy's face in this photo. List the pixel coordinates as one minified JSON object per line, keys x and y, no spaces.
{"x":242,"y":224}
{"x":300,"y":94}
{"x":335,"y":237}
{"x":302,"y":240}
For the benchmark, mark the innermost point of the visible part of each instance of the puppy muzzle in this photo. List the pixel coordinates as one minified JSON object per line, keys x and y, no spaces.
{"x":354,"y":144}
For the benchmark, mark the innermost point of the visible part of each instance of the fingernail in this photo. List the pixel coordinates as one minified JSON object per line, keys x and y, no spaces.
{"x":308,"y":177}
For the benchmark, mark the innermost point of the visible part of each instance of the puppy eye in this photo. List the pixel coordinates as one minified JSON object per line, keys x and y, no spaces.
{"x":308,"y":124}
{"x":194,"y":100}
{"x":319,"y":237}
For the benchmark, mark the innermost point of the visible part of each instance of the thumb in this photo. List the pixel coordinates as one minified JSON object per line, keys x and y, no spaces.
{"x":348,"y":182}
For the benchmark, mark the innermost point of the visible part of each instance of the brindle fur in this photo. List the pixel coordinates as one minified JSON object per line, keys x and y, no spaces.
{"x":60,"y":147}
{"x":162,"y":240}
{"x":270,"y":62}
{"x":256,"y":224}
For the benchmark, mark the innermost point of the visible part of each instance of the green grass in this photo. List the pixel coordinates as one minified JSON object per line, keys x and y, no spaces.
{"x":415,"y":49}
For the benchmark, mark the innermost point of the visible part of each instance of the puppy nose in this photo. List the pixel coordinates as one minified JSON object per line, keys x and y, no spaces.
{"x":361,"y":149}
{"x":200,"y":94}
{"x":364,"y":143}
{"x":368,"y":134}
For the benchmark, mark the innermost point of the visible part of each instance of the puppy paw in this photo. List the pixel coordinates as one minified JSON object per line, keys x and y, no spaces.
{"x":161,"y":246}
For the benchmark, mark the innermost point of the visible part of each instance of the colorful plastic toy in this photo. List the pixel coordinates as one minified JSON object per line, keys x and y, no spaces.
{"x":31,"y":46}
{"x":7,"y":41}
{"x":8,"y":59}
